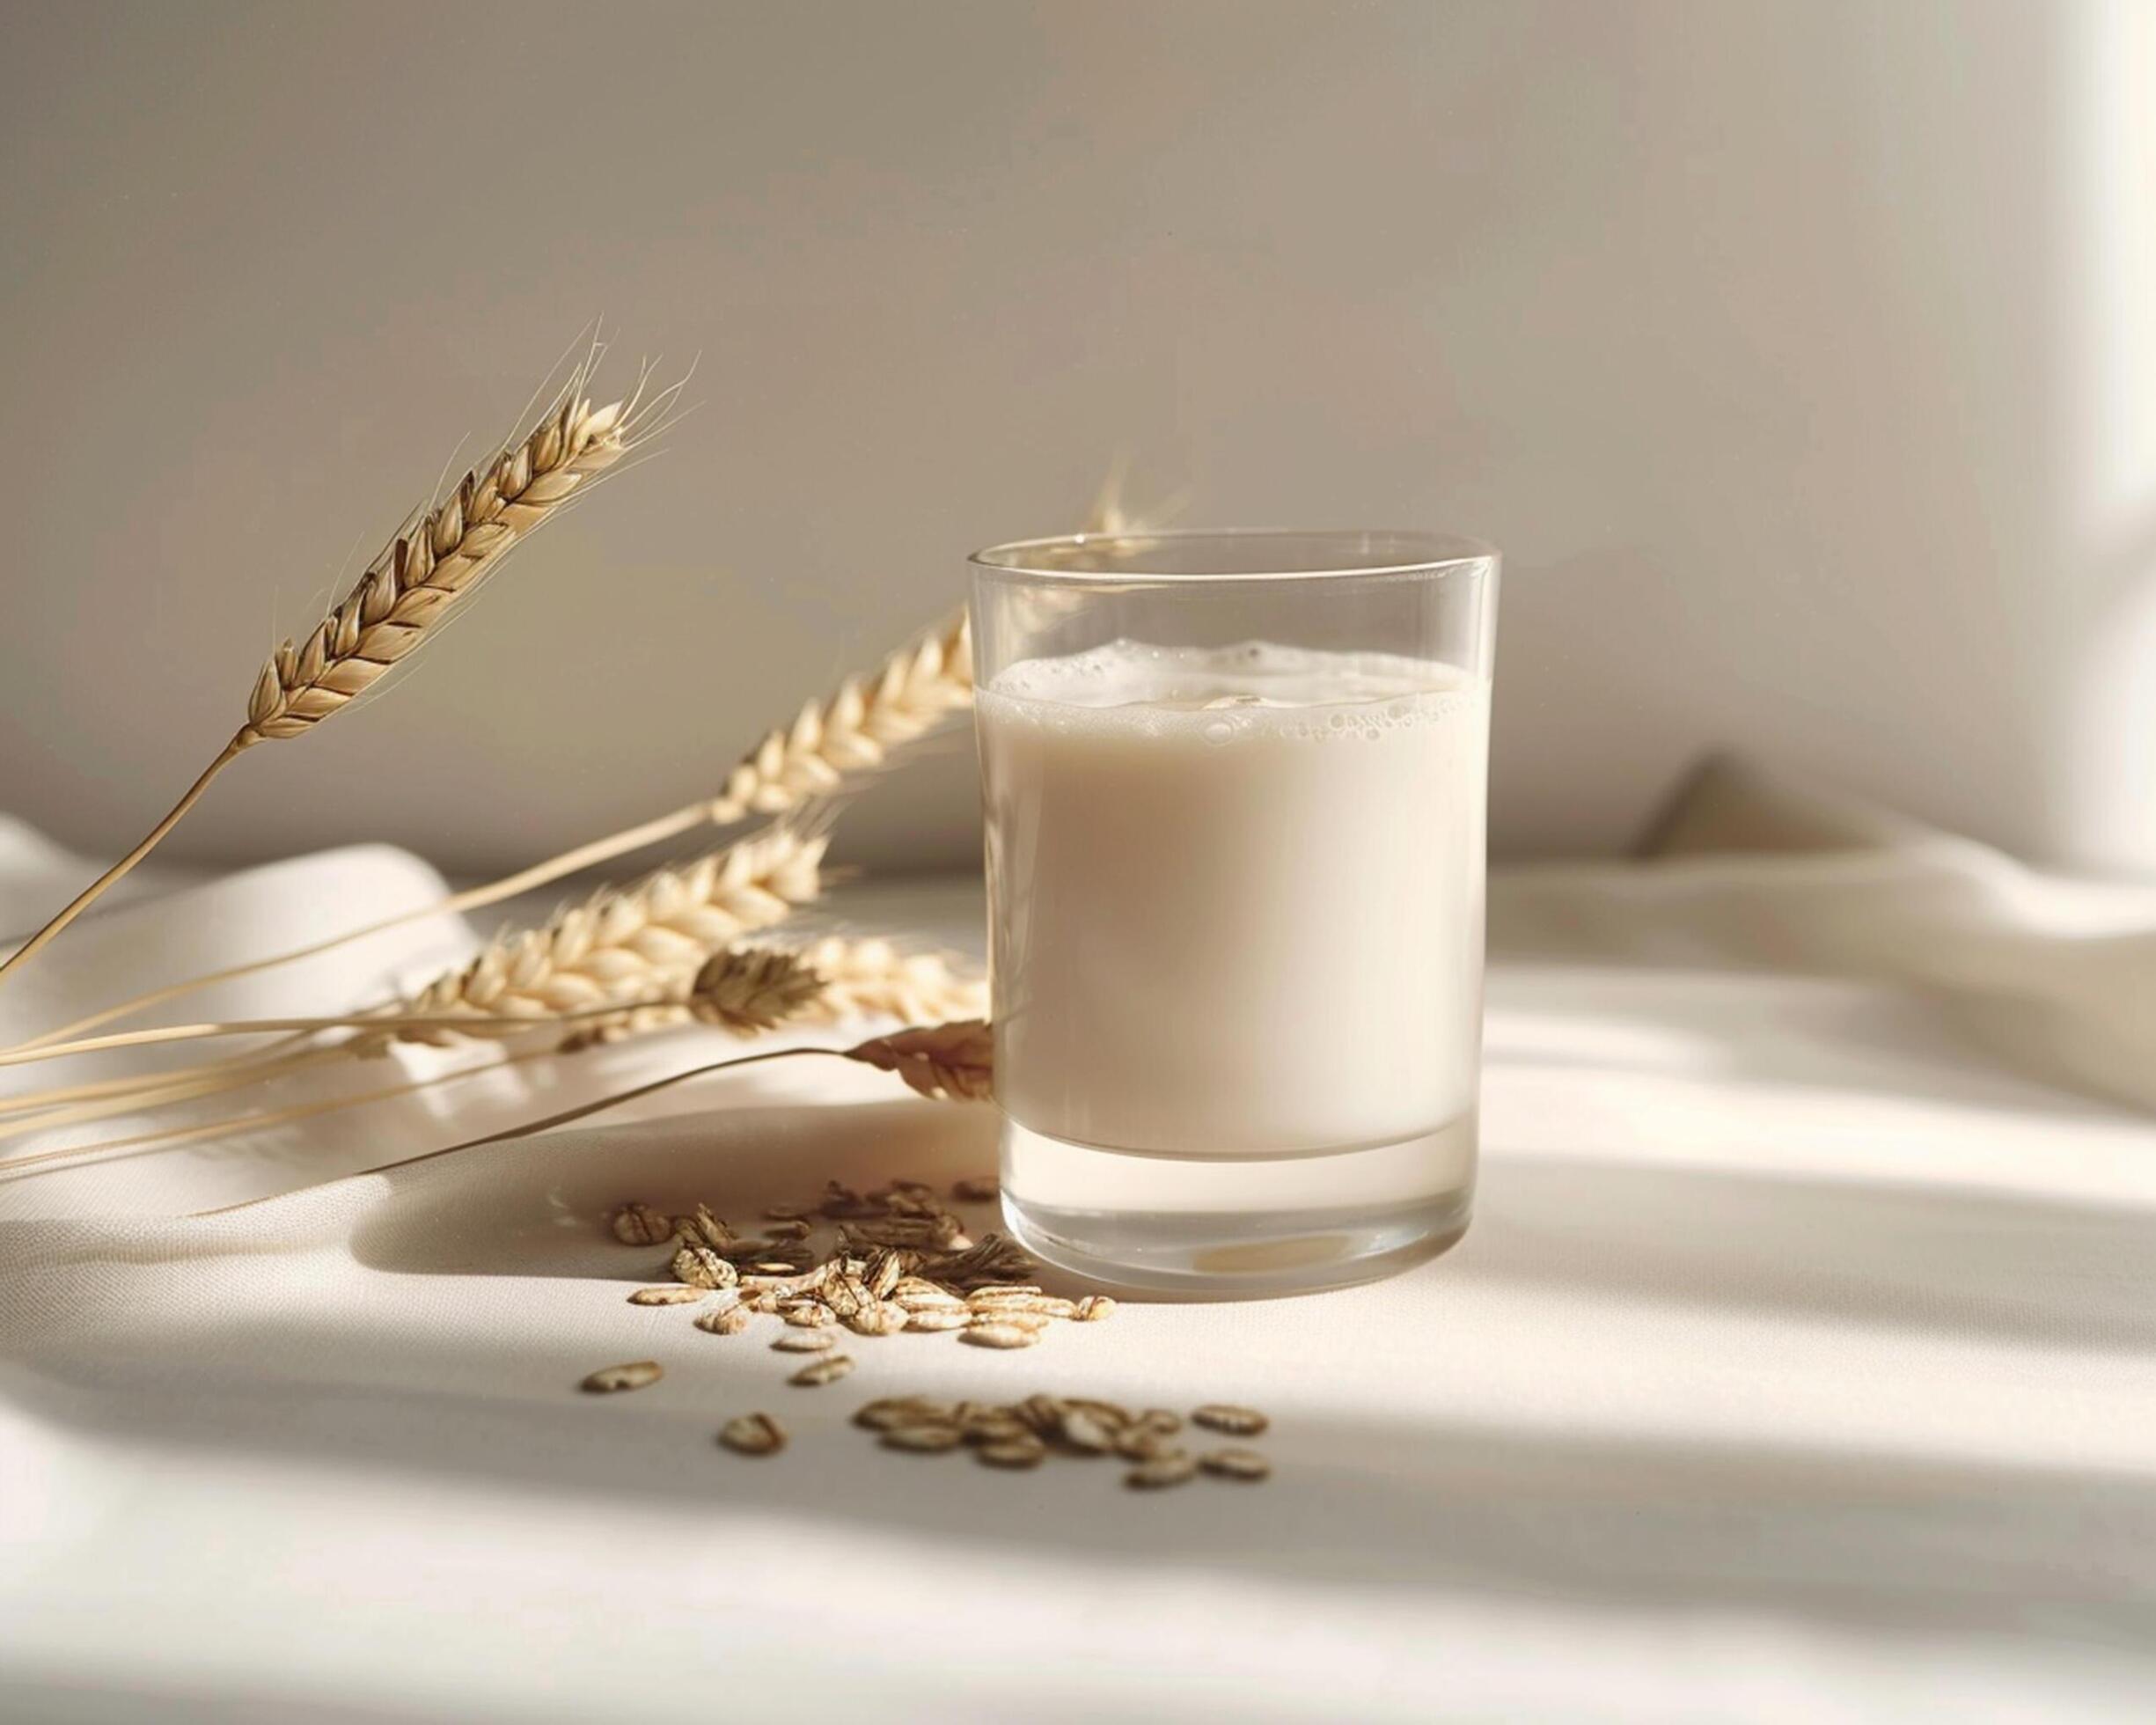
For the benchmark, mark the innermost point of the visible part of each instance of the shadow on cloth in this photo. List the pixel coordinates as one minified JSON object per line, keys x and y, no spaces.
{"x":478,"y":1386}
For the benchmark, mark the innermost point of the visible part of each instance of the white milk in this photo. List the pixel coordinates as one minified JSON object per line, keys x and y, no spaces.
{"x":1240,"y":900}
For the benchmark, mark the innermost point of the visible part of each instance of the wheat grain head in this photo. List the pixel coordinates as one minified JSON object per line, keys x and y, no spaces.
{"x":406,"y":591}
{"x":856,"y":730}
{"x":631,"y":943}
{"x":953,"y":1062}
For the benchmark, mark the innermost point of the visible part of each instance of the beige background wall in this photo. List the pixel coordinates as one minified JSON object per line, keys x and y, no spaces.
{"x":1794,"y":353}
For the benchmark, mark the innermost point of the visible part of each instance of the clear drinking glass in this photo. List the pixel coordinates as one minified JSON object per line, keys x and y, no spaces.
{"x":1235,"y":785}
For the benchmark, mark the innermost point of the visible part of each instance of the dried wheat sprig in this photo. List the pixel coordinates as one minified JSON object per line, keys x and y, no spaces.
{"x":944,"y":1062}
{"x":875,"y":978}
{"x":751,"y":989}
{"x":406,"y":592}
{"x":744,"y":990}
{"x":403,"y":597}
{"x":861,"y":728}
{"x":856,"y":729}
{"x":862,"y":979}
{"x":624,"y":945}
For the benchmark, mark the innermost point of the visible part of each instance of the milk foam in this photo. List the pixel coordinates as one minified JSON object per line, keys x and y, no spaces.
{"x":1254,"y":689}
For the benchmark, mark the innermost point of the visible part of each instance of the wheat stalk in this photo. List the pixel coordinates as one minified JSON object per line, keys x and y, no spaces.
{"x":943,"y":1062}
{"x":625,"y":945}
{"x":860,"y":728}
{"x":746,"y":990}
{"x":404,"y":596}
{"x":742,"y":990}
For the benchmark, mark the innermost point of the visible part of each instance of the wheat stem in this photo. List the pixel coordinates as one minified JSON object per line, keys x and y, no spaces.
{"x":209,"y":1080}
{"x":567,"y":1116}
{"x":392,"y":1024}
{"x":173,"y":1135}
{"x":136,"y":1084}
{"x":90,"y":894}
{"x":944,"y":1062}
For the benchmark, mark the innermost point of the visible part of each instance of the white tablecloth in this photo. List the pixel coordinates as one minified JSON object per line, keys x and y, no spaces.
{"x":1800,"y":1364}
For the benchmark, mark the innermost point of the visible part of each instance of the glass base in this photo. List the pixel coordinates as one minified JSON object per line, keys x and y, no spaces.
{"x":1219,"y":1226}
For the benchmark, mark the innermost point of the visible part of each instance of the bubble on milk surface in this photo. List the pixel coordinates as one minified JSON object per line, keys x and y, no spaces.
{"x":1247,"y":689}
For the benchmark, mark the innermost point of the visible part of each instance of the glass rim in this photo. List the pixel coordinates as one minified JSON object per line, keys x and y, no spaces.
{"x":1150,"y":556}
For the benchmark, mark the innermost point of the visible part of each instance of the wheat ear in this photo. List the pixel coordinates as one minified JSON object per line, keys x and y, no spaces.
{"x":947,"y":1062}
{"x":861,"y":727}
{"x":752,"y":989}
{"x":744,"y":990}
{"x":861,"y":979}
{"x":626,"y":944}
{"x":874,"y":979}
{"x":401,"y":598}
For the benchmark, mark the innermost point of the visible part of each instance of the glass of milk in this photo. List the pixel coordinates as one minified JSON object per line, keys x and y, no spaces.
{"x":1234,"y":787}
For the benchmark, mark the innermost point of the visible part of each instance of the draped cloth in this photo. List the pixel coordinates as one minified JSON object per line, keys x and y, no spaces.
{"x":1800,"y":1362}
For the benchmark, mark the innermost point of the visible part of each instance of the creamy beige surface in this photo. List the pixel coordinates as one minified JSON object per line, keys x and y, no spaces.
{"x":1237,"y":896}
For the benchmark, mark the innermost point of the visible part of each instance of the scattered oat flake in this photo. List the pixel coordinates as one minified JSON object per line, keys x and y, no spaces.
{"x":700,"y":1266}
{"x":674,"y":1293}
{"x":640,"y":1225}
{"x":1000,"y":1335}
{"x":879,"y":1319}
{"x":1093,"y":1308}
{"x":891,"y":1411}
{"x":700,"y":1225}
{"x":828,"y":1369}
{"x":935,"y":1320}
{"x":1087,"y":1431}
{"x":805,"y":1341}
{"x":753,"y":1435}
{"x":980,"y":1189}
{"x":1236,"y":1463}
{"x":926,"y":1439}
{"x":1233,"y":1421}
{"x":1021,"y":1451}
{"x":1173,"y":1467}
{"x":728,"y":1321}
{"x":634,"y":1376}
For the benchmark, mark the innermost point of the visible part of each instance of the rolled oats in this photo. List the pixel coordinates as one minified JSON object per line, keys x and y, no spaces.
{"x":636,"y":1374}
{"x":753,"y":1435}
